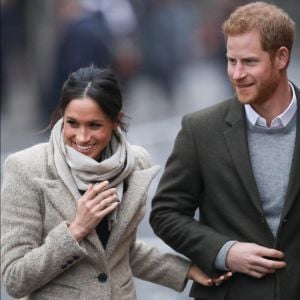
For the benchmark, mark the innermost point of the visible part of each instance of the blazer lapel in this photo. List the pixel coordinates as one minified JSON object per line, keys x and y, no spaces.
{"x":61,"y":199}
{"x":236,"y":140}
{"x":294,"y":180}
{"x":64,"y":197}
{"x":64,"y":202}
{"x":138,"y":185}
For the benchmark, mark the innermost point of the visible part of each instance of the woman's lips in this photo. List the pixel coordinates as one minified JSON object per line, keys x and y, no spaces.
{"x":83,"y":149}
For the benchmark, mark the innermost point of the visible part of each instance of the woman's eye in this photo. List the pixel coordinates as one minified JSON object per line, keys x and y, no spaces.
{"x":72,"y":123}
{"x":96,"y":126}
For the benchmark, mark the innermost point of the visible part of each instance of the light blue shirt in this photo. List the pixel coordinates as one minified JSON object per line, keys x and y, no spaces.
{"x":278,"y":122}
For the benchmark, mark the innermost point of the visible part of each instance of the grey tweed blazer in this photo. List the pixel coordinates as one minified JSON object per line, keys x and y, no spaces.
{"x":42,"y":260}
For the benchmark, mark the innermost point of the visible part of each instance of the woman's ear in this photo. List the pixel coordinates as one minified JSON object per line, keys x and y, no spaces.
{"x":120,"y":117}
{"x":282,"y":58}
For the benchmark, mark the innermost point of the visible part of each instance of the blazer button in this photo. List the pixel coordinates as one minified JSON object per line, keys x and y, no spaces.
{"x":102,"y":277}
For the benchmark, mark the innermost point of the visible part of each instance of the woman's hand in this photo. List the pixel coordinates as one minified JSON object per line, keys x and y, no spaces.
{"x":199,"y":276}
{"x":219,"y":280}
{"x":92,"y":207}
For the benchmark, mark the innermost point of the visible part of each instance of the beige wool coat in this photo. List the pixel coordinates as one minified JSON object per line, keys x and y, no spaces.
{"x":42,"y":260}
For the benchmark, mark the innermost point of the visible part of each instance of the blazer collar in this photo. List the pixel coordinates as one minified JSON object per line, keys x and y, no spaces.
{"x":56,"y":192}
{"x":134,"y":198}
{"x":236,"y":140}
{"x":293,"y":190}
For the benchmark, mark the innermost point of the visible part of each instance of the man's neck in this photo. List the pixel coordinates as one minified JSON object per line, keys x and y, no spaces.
{"x":280,"y":101}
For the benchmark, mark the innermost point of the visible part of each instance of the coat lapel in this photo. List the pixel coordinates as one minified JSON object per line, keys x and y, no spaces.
{"x":56,"y":193}
{"x":138,"y":185}
{"x":236,"y":140}
{"x":68,"y":192}
{"x":59,"y":197}
{"x":294,"y":180}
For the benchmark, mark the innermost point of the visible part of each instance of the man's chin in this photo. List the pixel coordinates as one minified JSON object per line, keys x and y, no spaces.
{"x":243,"y":99}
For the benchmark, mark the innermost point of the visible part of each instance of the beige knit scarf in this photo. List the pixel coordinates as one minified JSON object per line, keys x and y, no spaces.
{"x":78,"y":170}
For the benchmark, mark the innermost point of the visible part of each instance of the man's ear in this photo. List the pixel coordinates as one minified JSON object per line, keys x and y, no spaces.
{"x":282,"y":58}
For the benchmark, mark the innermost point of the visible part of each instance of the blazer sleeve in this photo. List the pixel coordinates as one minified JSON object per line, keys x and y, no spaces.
{"x":28,"y":259}
{"x":178,"y":196}
{"x":165,"y":269}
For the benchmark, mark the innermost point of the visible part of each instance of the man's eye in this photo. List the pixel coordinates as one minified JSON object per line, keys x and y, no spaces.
{"x":231,"y":61}
{"x":251,"y":62}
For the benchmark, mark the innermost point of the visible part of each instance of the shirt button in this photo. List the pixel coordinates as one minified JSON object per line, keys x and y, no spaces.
{"x":102,"y":277}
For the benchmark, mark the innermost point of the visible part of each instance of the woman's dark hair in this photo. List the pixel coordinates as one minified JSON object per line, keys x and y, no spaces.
{"x":98,"y":84}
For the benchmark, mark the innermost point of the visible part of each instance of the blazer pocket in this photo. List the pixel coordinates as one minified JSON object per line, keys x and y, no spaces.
{"x":56,"y":291}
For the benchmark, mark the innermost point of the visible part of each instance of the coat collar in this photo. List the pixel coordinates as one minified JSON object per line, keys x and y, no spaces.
{"x":294,"y":185}
{"x":134,"y":199}
{"x":57,"y":193}
{"x":236,"y":141}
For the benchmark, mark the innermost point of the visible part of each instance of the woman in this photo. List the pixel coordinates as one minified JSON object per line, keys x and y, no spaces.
{"x":71,"y":207}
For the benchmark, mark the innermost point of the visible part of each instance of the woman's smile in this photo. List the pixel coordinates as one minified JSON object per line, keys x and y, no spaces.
{"x":86,"y":127}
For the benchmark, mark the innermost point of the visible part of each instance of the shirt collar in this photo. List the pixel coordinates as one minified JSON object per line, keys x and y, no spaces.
{"x":278,"y":122}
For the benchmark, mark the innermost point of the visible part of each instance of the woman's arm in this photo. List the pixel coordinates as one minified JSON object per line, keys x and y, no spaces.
{"x":167,"y":269}
{"x":30,"y":260}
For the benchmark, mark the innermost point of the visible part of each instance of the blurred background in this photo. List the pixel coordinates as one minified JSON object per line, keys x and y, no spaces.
{"x":169,"y":56}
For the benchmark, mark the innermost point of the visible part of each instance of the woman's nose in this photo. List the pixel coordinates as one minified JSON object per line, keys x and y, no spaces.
{"x":82,"y":135}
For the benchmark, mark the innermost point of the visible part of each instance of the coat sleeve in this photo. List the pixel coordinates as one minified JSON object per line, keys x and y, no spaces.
{"x":28,"y":258}
{"x":165,"y":269}
{"x":147,"y":262}
{"x":178,"y":196}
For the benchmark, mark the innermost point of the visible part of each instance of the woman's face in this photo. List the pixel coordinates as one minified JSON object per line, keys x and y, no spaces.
{"x":86,"y":128}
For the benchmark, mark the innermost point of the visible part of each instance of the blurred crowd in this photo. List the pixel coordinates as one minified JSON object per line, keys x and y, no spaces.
{"x":43,"y":41}
{"x":167,"y":53}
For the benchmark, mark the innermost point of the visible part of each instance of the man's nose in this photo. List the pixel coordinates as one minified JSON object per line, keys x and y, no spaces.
{"x":238,"y":72}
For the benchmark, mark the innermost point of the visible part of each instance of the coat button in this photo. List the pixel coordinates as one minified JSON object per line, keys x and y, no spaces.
{"x":64,"y":266}
{"x":102,"y":277}
{"x":70,"y":261}
{"x":76,"y":257}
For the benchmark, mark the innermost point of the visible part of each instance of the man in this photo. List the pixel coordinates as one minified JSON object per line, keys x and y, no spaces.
{"x":239,"y":163}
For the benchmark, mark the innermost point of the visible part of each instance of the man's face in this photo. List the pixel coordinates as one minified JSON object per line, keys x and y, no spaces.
{"x":250,"y":69}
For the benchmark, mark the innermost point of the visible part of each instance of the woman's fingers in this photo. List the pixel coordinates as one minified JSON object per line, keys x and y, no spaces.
{"x":219,"y":280}
{"x":95,"y":189}
{"x":109,"y":209}
{"x":104,"y":203}
{"x":199,"y":276}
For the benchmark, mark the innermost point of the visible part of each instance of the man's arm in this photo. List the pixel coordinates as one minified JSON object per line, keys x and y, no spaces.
{"x":179,"y":194}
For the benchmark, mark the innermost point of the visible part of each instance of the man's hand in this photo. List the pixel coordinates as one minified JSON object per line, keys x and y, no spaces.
{"x":254,"y":260}
{"x":199,"y":276}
